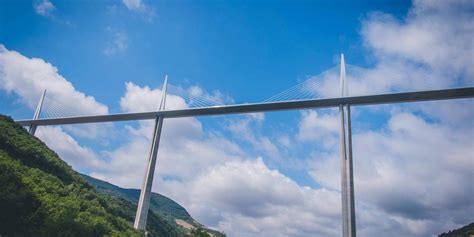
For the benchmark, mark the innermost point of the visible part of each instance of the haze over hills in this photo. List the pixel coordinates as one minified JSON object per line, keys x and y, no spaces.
{"x":41,"y":195}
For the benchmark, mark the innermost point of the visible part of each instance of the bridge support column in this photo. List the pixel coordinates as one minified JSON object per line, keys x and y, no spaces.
{"x":144,"y":201}
{"x":347,"y":176}
{"x":32,"y":128}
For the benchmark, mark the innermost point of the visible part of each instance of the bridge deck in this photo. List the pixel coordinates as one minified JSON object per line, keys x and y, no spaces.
{"x":457,"y":93}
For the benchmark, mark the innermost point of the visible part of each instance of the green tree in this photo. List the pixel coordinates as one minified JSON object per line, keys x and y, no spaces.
{"x":41,"y":195}
{"x":199,"y":232}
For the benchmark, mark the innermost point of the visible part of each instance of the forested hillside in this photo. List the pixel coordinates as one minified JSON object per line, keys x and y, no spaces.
{"x":466,"y":231}
{"x":159,"y":204}
{"x":41,"y":195}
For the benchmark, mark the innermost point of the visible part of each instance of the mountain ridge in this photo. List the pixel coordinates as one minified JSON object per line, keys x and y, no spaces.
{"x":41,"y":195}
{"x":158,"y":202}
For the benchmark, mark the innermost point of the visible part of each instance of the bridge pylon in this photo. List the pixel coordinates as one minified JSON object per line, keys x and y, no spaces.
{"x":144,"y":201}
{"x":347,"y":176}
{"x":36,"y":116}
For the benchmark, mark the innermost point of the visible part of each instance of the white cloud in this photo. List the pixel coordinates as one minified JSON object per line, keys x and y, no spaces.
{"x":242,"y":129}
{"x":285,"y":141}
{"x":134,"y":5}
{"x":418,"y":171}
{"x":258,"y":117}
{"x":437,"y":33}
{"x":139,"y":6}
{"x":68,"y":148}
{"x":117,"y":44}
{"x":208,"y":99}
{"x":44,"y":7}
{"x":246,"y":198}
{"x":319,"y":126}
{"x":430,"y":49}
{"x":414,"y":172}
{"x":185,"y":150}
{"x":28,"y":77}
{"x":213,"y":179}
{"x":414,"y":176}
{"x":388,"y":75}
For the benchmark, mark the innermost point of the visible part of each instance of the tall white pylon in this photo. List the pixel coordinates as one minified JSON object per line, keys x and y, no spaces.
{"x":36,"y":116}
{"x":347,"y":177}
{"x":144,"y":201}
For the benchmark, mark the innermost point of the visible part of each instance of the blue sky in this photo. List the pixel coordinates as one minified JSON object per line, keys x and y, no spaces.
{"x":273,"y":174}
{"x":247,"y":50}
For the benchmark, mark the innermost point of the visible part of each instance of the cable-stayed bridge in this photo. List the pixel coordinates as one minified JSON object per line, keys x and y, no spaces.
{"x":342,"y":86}
{"x":403,"y":97}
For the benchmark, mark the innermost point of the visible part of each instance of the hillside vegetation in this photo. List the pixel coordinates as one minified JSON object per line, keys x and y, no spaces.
{"x":466,"y":231}
{"x":163,"y":206}
{"x":41,"y":195}
{"x":158,"y":203}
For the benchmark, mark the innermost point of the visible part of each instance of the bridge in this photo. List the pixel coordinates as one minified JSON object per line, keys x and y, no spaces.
{"x":283,"y":101}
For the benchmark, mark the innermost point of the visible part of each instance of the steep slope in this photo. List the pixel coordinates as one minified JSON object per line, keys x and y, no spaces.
{"x":41,"y":195}
{"x":466,"y":231}
{"x":159,"y":204}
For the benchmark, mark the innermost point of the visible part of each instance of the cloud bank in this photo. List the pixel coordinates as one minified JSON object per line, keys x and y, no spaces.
{"x":413,"y":173}
{"x":44,"y":7}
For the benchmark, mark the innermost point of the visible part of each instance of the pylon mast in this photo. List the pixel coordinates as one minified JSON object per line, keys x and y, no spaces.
{"x":347,"y":177}
{"x":144,"y":201}
{"x":36,"y":116}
